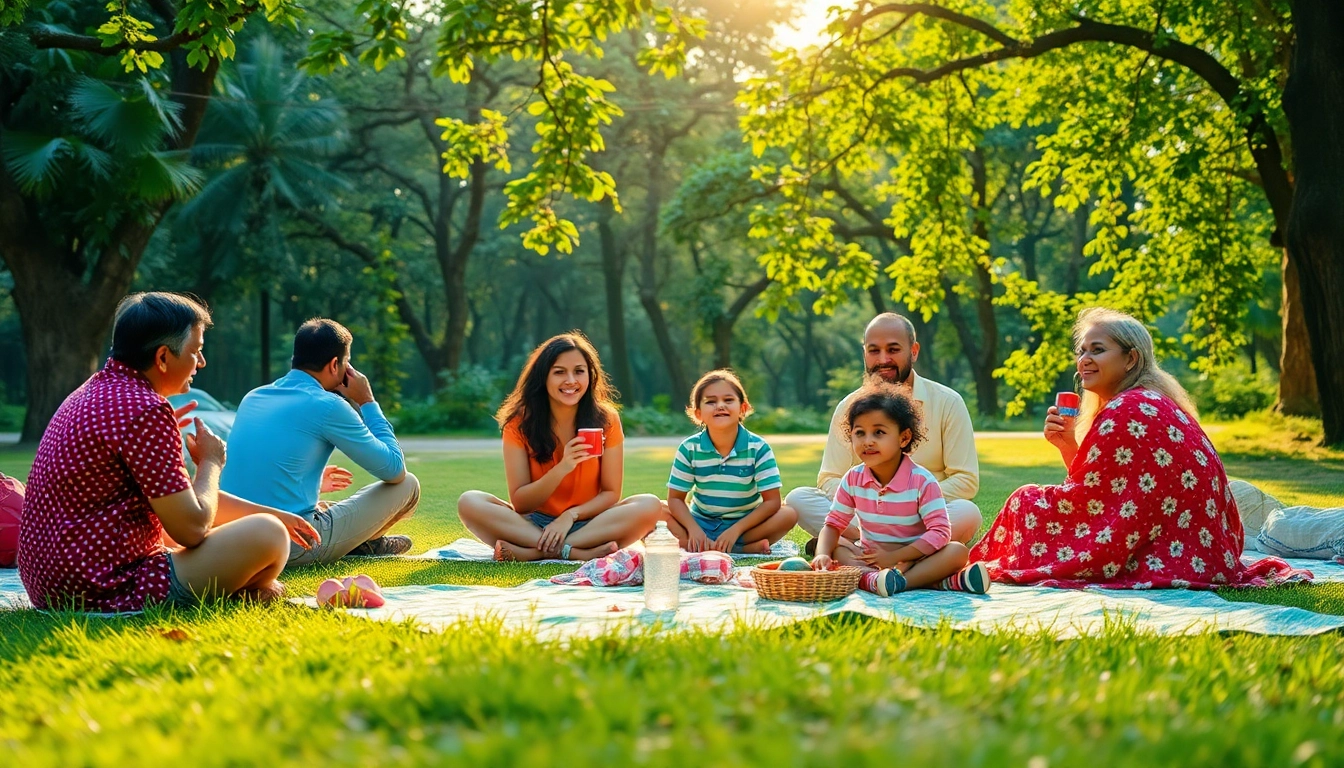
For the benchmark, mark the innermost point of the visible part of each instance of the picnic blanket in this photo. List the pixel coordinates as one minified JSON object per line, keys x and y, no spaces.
{"x":556,"y":611}
{"x":471,"y":549}
{"x":12,"y":593}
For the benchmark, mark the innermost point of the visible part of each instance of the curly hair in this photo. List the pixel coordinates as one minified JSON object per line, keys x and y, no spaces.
{"x":713,"y":377}
{"x":898,"y":406}
{"x":530,"y":403}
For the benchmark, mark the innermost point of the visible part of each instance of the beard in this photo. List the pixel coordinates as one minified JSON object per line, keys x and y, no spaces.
{"x":882,"y":374}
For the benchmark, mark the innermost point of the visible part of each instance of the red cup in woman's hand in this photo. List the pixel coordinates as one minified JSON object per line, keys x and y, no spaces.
{"x":593,"y":437}
{"x":1068,"y":403}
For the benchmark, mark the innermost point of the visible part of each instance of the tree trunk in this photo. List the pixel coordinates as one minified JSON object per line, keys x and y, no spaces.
{"x":723,"y":324}
{"x":63,"y":347}
{"x":1297,"y":377}
{"x":65,"y":293}
{"x":613,"y":279}
{"x":264,"y":318}
{"x":648,"y":273}
{"x":983,"y":355}
{"x":1315,"y":232}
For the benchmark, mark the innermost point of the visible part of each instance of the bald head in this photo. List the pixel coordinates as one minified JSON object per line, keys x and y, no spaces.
{"x":889,"y":348}
{"x":890,"y":321}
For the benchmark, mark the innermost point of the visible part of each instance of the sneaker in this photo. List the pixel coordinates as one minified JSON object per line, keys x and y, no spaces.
{"x":810,"y":548}
{"x":383,"y":546}
{"x":888,"y":582}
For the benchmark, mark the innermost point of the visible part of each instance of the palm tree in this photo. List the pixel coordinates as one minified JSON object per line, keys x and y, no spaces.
{"x":267,"y":135}
{"x":90,"y":160}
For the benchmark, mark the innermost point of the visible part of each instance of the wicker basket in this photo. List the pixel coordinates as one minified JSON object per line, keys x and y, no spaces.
{"x":805,"y":586}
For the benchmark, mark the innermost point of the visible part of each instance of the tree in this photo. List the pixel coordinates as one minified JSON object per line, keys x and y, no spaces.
{"x":269,"y":134}
{"x":1141,"y":93}
{"x":93,"y":157}
{"x":672,"y":116}
{"x":63,"y":252}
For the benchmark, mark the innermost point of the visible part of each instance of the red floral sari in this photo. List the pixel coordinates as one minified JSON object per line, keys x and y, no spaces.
{"x":1145,"y":505}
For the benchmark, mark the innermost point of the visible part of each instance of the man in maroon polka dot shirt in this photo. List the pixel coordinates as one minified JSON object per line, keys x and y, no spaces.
{"x":109,"y":481}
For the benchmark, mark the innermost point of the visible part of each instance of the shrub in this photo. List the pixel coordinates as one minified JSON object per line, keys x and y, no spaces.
{"x":11,"y":417}
{"x":784,"y":421}
{"x":652,"y":420}
{"x":467,"y":401}
{"x":1233,"y":392}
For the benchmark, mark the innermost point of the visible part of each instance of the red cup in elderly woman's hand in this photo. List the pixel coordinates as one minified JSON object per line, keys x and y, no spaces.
{"x":593,"y":438}
{"x":1068,"y":403}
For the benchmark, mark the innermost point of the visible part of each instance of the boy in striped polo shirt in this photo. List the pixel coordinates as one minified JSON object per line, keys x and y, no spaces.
{"x":905,"y":536}
{"x":736,"y":506}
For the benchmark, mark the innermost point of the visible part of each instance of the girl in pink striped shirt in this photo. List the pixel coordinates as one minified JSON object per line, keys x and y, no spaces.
{"x":905,"y":538}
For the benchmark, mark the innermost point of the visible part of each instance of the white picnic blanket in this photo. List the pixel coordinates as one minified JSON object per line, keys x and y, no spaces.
{"x":555,"y":611}
{"x":12,"y":593}
{"x":471,"y":549}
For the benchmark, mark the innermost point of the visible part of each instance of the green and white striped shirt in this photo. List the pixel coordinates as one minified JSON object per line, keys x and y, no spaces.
{"x":727,"y":487}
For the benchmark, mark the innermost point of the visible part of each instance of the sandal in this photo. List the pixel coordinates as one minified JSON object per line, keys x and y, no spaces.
{"x":351,"y":592}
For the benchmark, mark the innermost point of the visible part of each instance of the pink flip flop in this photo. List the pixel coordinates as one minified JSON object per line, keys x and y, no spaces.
{"x":351,"y":592}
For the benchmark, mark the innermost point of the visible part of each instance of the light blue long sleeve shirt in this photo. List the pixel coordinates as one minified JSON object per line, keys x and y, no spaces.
{"x":284,"y":435}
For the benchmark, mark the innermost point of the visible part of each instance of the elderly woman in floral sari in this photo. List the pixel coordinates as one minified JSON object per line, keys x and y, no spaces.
{"x":1146,"y":501}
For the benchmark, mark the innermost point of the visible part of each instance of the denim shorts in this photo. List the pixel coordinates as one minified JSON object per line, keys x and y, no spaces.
{"x":178,"y":593}
{"x":541,"y":520}
{"x":715,"y":526}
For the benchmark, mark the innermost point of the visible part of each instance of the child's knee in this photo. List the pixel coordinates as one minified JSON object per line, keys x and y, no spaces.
{"x":958,"y":553}
{"x":787,"y":514}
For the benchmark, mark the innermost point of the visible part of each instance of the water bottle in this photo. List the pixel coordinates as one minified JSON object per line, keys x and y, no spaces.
{"x":662,"y":570}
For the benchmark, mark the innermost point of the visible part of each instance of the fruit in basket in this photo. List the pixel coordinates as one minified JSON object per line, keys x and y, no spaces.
{"x":795,"y":564}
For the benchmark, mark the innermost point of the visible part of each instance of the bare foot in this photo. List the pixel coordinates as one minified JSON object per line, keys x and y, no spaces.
{"x":602,"y":550}
{"x":761,"y":547}
{"x":507,"y":552}
{"x":512,"y":553}
{"x":273,"y":591}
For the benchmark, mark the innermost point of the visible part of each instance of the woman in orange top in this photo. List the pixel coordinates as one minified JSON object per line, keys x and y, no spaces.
{"x":563,"y":501}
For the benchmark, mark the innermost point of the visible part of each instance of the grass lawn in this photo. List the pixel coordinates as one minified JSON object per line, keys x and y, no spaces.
{"x":283,"y":685}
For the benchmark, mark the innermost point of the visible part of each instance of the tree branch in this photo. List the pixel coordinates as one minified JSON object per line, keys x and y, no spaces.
{"x":43,"y":38}
{"x":1262,"y":139}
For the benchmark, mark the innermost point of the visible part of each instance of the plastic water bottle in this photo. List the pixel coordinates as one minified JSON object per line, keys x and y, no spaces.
{"x":662,"y":570}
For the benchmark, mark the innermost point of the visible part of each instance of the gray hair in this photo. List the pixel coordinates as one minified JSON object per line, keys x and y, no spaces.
{"x":146,"y":321}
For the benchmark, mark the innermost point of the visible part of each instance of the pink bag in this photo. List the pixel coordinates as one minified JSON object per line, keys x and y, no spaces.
{"x":11,"y":512}
{"x":625,"y":568}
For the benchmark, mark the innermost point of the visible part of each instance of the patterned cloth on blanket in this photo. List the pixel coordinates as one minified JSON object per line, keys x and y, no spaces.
{"x":625,"y":568}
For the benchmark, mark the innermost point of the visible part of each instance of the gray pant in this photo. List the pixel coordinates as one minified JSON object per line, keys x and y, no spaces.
{"x":349,"y":523}
{"x":812,"y":507}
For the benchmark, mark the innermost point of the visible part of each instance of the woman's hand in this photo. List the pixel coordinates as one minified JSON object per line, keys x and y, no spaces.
{"x":1059,"y":432}
{"x":576,"y":452}
{"x":335,"y":478}
{"x":206,"y":446}
{"x":300,"y":531}
{"x":553,"y":535}
{"x":696,"y":540}
{"x":823,"y":563}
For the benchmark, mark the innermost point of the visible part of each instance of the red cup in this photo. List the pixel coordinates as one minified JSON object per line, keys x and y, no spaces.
{"x":1067,"y":403}
{"x":593,"y":437}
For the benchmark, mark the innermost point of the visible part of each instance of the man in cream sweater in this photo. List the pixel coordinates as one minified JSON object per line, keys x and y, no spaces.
{"x":948,"y":451}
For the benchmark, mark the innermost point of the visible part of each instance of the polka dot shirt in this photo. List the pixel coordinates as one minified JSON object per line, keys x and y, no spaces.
{"x":89,"y":538}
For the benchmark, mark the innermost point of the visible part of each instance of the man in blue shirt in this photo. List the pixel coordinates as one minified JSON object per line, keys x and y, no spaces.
{"x":285,"y":432}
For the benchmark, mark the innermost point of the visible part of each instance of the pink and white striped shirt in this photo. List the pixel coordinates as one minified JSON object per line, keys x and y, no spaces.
{"x":908,"y":510}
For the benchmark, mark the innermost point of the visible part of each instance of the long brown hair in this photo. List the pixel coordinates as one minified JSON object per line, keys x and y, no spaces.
{"x":530,"y":403}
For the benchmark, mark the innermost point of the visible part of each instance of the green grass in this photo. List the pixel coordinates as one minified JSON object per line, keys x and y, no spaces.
{"x":232,"y":684}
